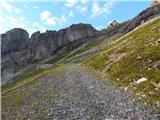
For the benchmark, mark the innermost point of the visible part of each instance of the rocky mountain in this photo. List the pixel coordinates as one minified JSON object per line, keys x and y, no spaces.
{"x":20,"y":51}
{"x":12,"y":40}
{"x":144,"y":16}
{"x":112,"y":25}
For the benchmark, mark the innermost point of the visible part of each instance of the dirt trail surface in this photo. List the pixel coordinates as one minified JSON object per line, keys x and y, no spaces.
{"x":70,"y":93}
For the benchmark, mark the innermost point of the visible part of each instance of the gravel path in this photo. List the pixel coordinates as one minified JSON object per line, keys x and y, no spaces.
{"x":73,"y":94}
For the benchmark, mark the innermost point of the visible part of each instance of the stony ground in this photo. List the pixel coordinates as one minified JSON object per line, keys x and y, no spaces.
{"x":71,"y":93}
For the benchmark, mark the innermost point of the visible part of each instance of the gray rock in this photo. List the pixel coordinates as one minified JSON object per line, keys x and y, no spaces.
{"x":12,"y":40}
{"x":144,"y":16}
{"x":18,"y":50}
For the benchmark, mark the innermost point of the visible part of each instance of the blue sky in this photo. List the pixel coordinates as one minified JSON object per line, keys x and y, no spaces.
{"x":42,"y":15}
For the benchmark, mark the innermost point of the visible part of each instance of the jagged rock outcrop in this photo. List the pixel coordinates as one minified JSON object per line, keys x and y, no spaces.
{"x":12,"y":40}
{"x":112,"y":25}
{"x":42,"y":45}
{"x":19,"y":50}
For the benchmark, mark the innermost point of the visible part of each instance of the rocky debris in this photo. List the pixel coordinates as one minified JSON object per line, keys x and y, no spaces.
{"x":141,"y":80}
{"x":158,"y":42}
{"x":157,"y":85}
{"x":44,"y":66}
{"x":74,"y":93}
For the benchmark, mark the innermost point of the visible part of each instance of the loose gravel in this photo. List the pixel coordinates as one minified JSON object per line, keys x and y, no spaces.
{"x":72,"y":94}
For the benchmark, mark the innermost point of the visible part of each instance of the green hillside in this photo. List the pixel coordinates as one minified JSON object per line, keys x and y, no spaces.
{"x":131,"y":58}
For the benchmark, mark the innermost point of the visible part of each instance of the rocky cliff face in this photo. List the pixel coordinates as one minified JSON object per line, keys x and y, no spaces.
{"x":19,"y":51}
{"x":12,"y":40}
{"x":42,"y":45}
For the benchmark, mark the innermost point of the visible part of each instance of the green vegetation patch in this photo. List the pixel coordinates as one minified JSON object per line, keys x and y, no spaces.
{"x":26,"y":77}
{"x":141,"y":60}
{"x":33,"y":92}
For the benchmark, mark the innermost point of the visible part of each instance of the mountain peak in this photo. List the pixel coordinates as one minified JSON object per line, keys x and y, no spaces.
{"x":112,"y":24}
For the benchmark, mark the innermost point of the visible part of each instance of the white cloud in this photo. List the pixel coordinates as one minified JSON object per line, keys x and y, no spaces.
{"x":47,"y":18}
{"x":42,"y":28}
{"x":63,"y":18}
{"x":71,"y":14}
{"x":95,"y":10}
{"x":39,"y":27}
{"x":107,"y":6}
{"x":50,"y":21}
{"x":21,"y":18}
{"x":70,"y":3}
{"x":17,"y":10}
{"x":83,"y":1}
{"x":82,"y":9}
{"x":45,"y":15}
{"x":6,"y":6}
{"x":9,"y":22}
{"x":35,"y":7}
{"x":101,"y":10}
{"x":99,"y":27}
{"x":35,"y":24}
{"x":16,"y":22}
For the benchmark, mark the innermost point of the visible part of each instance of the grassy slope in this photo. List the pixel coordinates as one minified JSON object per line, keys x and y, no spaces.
{"x":135,"y":56}
{"x":27,"y":77}
{"x":15,"y":94}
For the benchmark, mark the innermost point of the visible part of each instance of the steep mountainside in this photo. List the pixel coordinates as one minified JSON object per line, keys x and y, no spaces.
{"x":133,"y":63}
{"x":129,"y":25}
